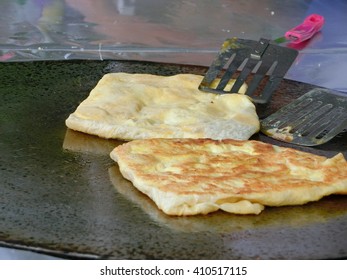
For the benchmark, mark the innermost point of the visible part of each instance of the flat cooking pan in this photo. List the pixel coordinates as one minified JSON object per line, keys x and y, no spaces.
{"x":61,"y":194}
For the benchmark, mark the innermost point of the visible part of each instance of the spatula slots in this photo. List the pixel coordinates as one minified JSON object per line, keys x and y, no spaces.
{"x":261,"y":63}
{"x":312,"y":119}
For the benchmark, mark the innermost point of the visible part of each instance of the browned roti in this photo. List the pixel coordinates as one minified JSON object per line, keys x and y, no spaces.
{"x":198,"y":176}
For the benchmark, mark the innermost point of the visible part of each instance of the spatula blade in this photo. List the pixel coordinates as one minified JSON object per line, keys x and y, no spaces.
{"x":261,"y":64}
{"x":312,"y":119}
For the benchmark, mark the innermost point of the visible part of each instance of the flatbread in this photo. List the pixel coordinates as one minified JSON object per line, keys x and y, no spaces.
{"x":140,"y":106}
{"x":199,"y":176}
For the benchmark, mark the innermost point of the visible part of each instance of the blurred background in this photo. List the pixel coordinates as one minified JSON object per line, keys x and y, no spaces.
{"x":181,"y":31}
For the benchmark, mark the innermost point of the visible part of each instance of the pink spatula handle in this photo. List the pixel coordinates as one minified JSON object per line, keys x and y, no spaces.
{"x":310,"y":26}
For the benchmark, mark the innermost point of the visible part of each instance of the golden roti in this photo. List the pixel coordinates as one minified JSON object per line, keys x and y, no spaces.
{"x":140,"y":106}
{"x":199,"y":176}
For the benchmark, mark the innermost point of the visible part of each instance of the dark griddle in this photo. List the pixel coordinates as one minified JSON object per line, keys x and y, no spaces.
{"x":60,"y":193}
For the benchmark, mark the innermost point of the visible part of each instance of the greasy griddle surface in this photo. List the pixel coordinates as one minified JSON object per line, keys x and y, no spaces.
{"x":61,"y":193}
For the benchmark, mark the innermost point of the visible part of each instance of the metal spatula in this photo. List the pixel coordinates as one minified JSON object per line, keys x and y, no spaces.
{"x":261,"y":64}
{"x":312,"y":119}
{"x":263,"y":60}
